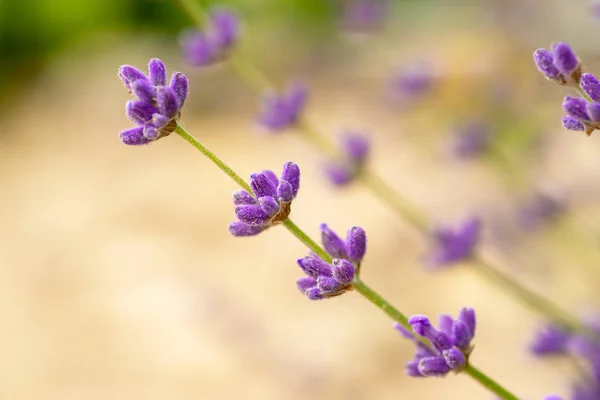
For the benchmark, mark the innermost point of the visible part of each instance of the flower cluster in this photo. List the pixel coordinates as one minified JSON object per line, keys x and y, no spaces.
{"x":555,"y":340}
{"x":158,"y":105}
{"x":450,"y":346}
{"x":453,"y":245}
{"x":541,"y":207}
{"x":355,"y":149}
{"x":270,"y":202}
{"x":213,"y":44}
{"x":281,"y":110}
{"x":324,"y":280}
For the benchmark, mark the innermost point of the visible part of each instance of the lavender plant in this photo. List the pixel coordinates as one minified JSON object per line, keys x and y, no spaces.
{"x":334,"y":268}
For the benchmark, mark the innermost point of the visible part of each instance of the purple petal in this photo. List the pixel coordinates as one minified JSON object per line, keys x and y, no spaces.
{"x":157,"y":72}
{"x":329,"y":285}
{"x":572,"y":124}
{"x":197,"y":49}
{"x":461,"y":337}
{"x":129,"y":74}
{"x":593,"y":110}
{"x":342,"y":270}
{"x":332,"y":243}
{"x":251,"y":214}
{"x":356,"y":244}
{"x":564,"y":59}
{"x":315,"y":294}
{"x":151,"y":133}
{"x":305,"y":283}
{"x":272,"y":176}
{"x":291,"y":174}
{"x":224,"y":28}
{"x":338,"y":174}
{"x":240,"y":229}
{"x":139,"y":111}
{"x":551,"y":339}
{"x":134,"y":136}
{"x":454,"y":358}
{"x":467,"y":317}
{"x":159,"y":120}
{"x":433,"y":366}
{"x":314,"y":267}
{"x":355,"y":146}
{"x":269,"y":205}
{"x":412,"y":369}
{"x":144,"y":90}
{"x":591,"y":85}
{"x":445,"y":323}
{"x":243,"y":197}
{"x":179,"y":84}
{"x":262,"y":186}
{"x":576,"y":108}
{"x":285,"y":192}
{"x":167,"y":102}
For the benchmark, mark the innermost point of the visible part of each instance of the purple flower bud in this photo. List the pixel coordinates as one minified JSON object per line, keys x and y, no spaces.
{"x":243,"y":197}
{"x":461,"y":335}
{"x":280,"y":111}
{"x":129,"y":74}
{"x":541,"y":208}
{"x":342,"y":270}
{"x":272,"y":176}
{"x":332,"y":243}
{"x":269,"y":205}
{"x":134,"y":136}
{"x":572,"y":124}
{"x":251,"y":215}
{"x":412,"y":369}
{"x":455,"y":358}
{"x":285,"y":192}
{"x":591,"y":85}
{"x":224,"y":29}
{"x":446,"y":323}
{"x":262,"y":186}
{"x":159,"y":121}
{"x":467,"y":317}
{"x":314,"y":267}
{"x":291,"y":174}
{"x":472,"y":139}
{"x":455,"y":245}
{"x":356,"y":244}
{"x":564,"y":59}
{"x":197,"y":48}
{"x":157,"y":72}
{"x":139,"y":112}
{"x":355,"y":146}
{"x":329,"y":285}
{"x":551,"y":339}
{"x":144,"y":90}
{"x":593,"y":110}
{"x":305,"y":283}
{"x":241,"y":229}
{"x":433,"y":366}
{"x":576,"y":108}
{"x":544,"y":61}
{"x":167,"y":102}
{"x":413,"y":82}
{"x":315,"y":294}
{"x":422,"y":327}
{"x":151,"y":133}
{"x":179,"y":84}
{"x":338,"y":174}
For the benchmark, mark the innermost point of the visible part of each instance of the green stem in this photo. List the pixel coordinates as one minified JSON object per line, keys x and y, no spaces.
{"x":212,"y":157}
{"x":308,"y":242}
{"x":583,"y":94}
{"x":397,"y":316}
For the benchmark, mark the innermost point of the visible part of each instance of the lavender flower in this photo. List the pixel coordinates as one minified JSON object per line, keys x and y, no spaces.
{"x":559,"y":65}
{"x":454,"y":245}
{"x":550,"y":339}
{"x":412,"y":82}
{"x":280,"y":111}
{"x":355,"y":149}
{"x":541,"y":207}
{"x":325,"y":280}
{"x":270,"y":202}
{"x":450,"y":346}
{"x":212,"y":45}
{"x":581,"y":114}
{"x":363,"y":15}
{"x":553,"y":397}
{"x":471,"y":139}
{"x":158,"y":106}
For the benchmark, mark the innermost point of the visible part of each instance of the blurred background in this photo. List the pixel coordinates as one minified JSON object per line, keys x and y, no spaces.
{"x":120,"y":280}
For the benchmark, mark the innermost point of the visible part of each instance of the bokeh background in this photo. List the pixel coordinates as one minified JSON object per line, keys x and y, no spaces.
{"x":119,"y":279}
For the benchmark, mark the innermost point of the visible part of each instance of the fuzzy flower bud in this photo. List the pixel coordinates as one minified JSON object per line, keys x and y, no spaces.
{"x":355,"y":149}
{"x":281,"y":110}
{"x":559,"y":65}
{"x":202,"y":48}
{"x":454,"y":245}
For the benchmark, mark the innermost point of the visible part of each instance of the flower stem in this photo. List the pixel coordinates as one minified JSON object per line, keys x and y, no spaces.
{"x":308,"y":242}
{"x":212,"y":157}
{"x":397,"y":316}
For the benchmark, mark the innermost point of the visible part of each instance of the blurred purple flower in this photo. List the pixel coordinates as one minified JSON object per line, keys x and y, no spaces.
{"x":355,"y":149}
{"x":158,"y":106}
{"x":454,"y":245}
{"x":281,"y":110}
{"x":363,"y":15}
{"x":270,"y":202}
{"x":212,"y":45}
{"x":450,"y":346}
{"x":471,"y":139}
{"x":540,"y":208}
{"x":413,"y":82}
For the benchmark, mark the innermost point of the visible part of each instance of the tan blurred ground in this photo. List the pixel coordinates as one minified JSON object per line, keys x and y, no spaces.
{"x":119,"y":280}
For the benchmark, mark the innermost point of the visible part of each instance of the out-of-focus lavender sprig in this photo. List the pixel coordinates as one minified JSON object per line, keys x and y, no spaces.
{"x":270,"y":202}
{"x":158,"y":105}
{"x":347,"y":167}
{"x":412,"y":82}
{"x":324,"y":280}
{"x":280,"y":111}
{"x":211,"y":45}
{"x":450,"y":345}
{"x":454,"y":245}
